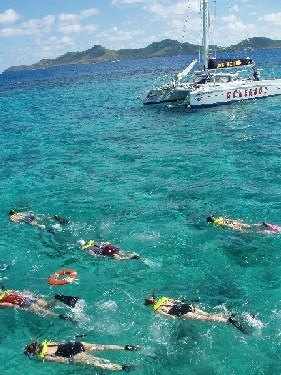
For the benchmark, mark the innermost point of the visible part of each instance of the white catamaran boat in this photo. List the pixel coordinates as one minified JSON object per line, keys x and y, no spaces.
{"x":220,"y":81}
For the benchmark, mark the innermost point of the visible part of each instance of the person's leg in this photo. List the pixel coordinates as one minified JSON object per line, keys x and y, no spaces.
{"x":39,"y":310}
{"x":124,"y":255}
{"x":202,"y":315}
{"x":46,"y":304}
{"x":98,"y":347}
{"x":102,"y":363}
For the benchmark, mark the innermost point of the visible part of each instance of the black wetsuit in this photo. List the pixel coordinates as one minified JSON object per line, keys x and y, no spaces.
{"x":180,"y":309}
{"x":69,"y":349}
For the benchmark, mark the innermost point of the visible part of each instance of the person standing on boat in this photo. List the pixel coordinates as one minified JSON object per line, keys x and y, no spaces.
{"x":256,"y":75}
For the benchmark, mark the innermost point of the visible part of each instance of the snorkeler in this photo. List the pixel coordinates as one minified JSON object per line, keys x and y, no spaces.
{"x":176,"y":309}
{"x":229,"y":223}
{"x":106,"y":249}
{"x":77,"y":352}
{"x":272,"y":228}
{"x":27,"y":301}
{"x":32,"y":219}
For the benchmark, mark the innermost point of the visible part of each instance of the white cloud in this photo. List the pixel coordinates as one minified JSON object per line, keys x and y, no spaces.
{"x":235,"y":9}
{"x":54,"y":42}
{"x":71,"y":28}
{"x":70,"y":22}
{"x":115,"y":34}
{"x":77,"y":27}
{"x":64,"y":23}
{"x":88,"y":13}
{"x":273,"y":18}
{"x":31,"y":27}
{"x":66,"y":17}
{"x":9,"y":16}
{"x":11,"y":31}
{"x":126,"y":2}
{"x":231,"y":31}
{"x":179,"y":8}
{"x":90,"y":29}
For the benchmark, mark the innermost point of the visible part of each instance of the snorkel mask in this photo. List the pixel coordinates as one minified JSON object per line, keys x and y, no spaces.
{"x":151,"y":299}
{"x":30,"y":349}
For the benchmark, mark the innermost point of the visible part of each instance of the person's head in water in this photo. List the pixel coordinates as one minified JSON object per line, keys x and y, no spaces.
{"x":32,"y":348}
{"x":210,"y":219}
{"x":12,"y":212}
{"x":149,"y":301}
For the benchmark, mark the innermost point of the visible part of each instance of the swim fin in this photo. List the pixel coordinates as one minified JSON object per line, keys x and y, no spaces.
{"x":68,"y":318}
{"x":238,"y":326}
{"x":60,"y":219}
{"x":67,"y":300}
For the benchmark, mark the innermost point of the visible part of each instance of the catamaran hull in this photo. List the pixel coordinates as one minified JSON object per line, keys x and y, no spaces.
{"x":210,"y":96}
{"x":160,"y":95}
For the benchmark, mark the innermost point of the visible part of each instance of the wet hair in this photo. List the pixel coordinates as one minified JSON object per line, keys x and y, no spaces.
{"x":149,"y":301}
{"x":210,"y":219}
{"x":12,"y":212}
{"x":30,"y":349}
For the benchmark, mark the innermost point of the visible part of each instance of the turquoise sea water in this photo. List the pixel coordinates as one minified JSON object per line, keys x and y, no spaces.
{"x":78,"y":142}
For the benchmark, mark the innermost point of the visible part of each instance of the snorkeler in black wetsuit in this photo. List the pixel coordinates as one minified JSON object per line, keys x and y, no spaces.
{"x":176,"y":309}
{"x":79,"y":352}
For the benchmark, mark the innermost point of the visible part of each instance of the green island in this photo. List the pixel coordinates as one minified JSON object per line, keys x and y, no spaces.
{"x":166,"y":47}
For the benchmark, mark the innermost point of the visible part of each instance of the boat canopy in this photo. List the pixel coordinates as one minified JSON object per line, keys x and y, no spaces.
{"x":228,"y":63}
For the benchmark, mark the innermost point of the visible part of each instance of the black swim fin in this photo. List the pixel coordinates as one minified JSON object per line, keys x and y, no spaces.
{"x":68,"y":318}
{"x":67,"y":300}
{"x":238,"y":326}
{"x":129,"y":367}
{"x":50,"y":230}
{"x":60,"y":219}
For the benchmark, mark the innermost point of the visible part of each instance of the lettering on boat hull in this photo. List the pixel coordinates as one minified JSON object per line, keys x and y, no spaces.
{"x":246,"y":93}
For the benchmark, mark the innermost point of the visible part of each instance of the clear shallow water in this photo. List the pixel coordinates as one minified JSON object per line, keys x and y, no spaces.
{"x":78,"y":142}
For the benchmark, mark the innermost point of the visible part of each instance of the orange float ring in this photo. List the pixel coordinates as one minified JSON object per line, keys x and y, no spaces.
{"x":54,"y":279}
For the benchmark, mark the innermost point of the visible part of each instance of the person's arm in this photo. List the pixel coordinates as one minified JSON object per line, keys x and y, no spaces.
{"x":91,"y":252}
{"x":98,"y":347}
{"x":122,"y":255}
{"x":54,"y":358}
{"x":102,"y":363}
{"x":7,"y":305}
{"x":163,"y":312}
{"x":41,"y":226}
{"x":38,"y":310}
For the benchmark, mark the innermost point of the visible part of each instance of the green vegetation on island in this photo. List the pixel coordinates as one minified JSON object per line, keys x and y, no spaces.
{"x":166,"y":47}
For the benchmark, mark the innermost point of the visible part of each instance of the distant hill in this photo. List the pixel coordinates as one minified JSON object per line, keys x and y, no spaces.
{"x":166,"y":47}
{"x":256,"y":43}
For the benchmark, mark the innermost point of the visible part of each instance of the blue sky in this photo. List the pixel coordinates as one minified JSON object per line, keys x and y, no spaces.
{"x":31,"y":30}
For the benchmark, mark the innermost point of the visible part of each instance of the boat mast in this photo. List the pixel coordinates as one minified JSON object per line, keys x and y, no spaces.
{"x":205,"y":29}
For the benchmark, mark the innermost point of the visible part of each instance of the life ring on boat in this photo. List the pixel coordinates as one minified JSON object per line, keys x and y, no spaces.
{"x":70,"y":277}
